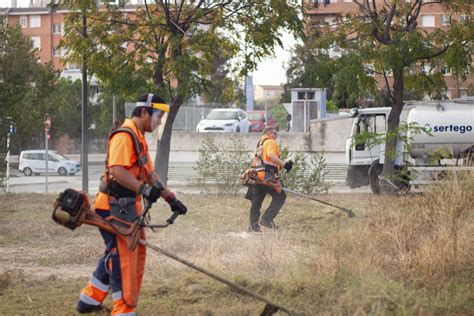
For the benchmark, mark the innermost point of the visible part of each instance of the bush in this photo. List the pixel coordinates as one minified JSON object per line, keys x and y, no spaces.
{"x":222,"y":165}
{"x":305,"y":177}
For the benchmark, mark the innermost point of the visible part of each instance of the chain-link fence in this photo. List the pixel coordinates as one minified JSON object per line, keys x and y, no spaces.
{"x":188,"y":116}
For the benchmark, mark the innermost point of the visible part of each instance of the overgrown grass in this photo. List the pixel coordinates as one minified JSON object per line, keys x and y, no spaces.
{"x":400,"y":255}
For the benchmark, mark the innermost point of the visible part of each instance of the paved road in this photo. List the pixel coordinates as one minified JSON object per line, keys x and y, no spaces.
{"x":179,"y":176}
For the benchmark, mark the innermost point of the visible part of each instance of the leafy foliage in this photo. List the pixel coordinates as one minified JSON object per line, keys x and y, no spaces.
{"x":404,"y":133}
{"x":279,"y":113}
{"x":27,"y":89}
{"x":222,"y":165}
{"x":307,"y":174}
{"x":344,"y":75}
{"x":171,"y":46}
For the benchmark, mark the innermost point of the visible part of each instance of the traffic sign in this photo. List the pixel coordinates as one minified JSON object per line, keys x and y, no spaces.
{"x":47,"y":122}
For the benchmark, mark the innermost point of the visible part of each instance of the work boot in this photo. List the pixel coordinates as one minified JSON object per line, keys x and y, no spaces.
{"x":83,"y":308}
{"x":254,"y":229}
{"x":270,"y":225}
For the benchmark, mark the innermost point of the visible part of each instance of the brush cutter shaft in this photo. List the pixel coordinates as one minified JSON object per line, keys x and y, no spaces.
{"x":214,"y":276}
{"x":320,"y":201}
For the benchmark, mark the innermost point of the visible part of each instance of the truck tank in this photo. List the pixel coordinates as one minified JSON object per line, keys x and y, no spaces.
{"x":451,"y":124}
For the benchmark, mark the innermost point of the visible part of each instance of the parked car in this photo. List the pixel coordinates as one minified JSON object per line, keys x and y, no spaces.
{"x":34,"y":162}
{"x":224,"y":120}
{"x":258,"y":120}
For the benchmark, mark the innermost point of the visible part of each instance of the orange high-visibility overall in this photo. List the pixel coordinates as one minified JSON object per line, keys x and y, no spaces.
{"x":120,"y":269}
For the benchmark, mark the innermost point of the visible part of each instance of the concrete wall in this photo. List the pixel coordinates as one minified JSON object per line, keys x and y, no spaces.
{"x":326,"y":136}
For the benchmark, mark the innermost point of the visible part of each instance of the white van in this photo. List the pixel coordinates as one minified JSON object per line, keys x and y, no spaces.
{"x":33,"y":162}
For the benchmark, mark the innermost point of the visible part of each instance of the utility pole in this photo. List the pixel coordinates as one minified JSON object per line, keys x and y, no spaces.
{"x":11,"y":130}
{"x":47,"y":127}
{"x":8,"y":162}
{"x":114,"y":109}
{"x":84,"y":122}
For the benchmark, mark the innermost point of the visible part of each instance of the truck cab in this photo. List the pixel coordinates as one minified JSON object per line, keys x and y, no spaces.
{"x":365,"y":156}
{"x":450,"y":130}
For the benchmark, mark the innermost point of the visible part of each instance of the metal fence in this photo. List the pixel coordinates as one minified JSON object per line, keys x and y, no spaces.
{"x":188,"y":116}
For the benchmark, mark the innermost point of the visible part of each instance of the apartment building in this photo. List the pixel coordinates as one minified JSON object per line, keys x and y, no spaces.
{"x":45,"y":26}
{"x":267,"y":92}
{"x":432,"y":17}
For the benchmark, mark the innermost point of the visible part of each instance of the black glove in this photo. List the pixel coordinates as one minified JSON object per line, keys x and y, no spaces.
{"x":150,"y":193}
{"x":288,"y":165}
{"x":177,"y":206}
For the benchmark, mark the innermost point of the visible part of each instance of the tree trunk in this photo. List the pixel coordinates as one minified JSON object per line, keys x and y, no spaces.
{"x":163,"y":145}
{"x":386,"y":184}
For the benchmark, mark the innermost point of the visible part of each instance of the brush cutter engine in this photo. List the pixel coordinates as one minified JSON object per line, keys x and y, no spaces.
{"x":69,"y":207}
{"x":250,"y":178}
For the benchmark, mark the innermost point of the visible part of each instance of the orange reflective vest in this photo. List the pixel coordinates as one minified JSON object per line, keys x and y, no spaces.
{"x":122,"y":152}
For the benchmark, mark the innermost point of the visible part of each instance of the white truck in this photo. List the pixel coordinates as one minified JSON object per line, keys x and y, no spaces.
{"x":450,"y":124}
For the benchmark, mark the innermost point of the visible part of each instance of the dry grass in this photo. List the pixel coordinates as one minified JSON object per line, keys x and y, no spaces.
{"x":400,"y":255}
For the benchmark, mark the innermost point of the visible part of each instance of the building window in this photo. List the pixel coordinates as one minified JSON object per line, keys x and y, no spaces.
{"x":445,"y":71}
{"x":23,"y":21}
{"x":447,"y":95}
{"x":445,"y":19}
{"x":462,"y":18}
{"x":36,"y":42}
{"x":57,"y":28}
{"x":71,"y":66}
{"x":369,"y":70}
{"x":330,"y":21}
{"x":426,"y":69}
{"x":428,"y":20}
{"x":35,"y":21}
{"x":57,"y":52}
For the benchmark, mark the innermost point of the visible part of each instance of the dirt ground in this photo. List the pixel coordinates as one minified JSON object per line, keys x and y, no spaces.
{"x":43,"y":266}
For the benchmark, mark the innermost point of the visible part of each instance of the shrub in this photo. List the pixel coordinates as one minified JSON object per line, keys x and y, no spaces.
{"x":305,"y":177}
{"x":222,"y":165}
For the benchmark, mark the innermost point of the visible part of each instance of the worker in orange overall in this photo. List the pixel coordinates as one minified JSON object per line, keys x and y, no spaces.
{"x":268,"y":163}
{"x":128,"y":178}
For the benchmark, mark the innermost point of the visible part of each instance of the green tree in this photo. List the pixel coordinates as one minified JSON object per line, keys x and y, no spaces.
{"x":64,"y":106}
{"x":344,"y":75}
{"x":24,"y":85}
{"x":170,"y":45}
{"x":308,"y":67}
{"x":387,"y":36}
{"x":222,"y":88}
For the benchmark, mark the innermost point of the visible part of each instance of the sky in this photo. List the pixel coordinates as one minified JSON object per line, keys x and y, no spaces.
{"x":270,"y":71}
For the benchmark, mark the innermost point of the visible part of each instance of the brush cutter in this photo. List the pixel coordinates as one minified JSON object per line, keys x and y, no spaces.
{"x":349,"y":212}
{"x":72,"y":209}
{"x":250,"y":177}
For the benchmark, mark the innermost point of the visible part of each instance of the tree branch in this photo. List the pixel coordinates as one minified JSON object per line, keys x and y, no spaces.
{"x":388,"y":86}
{"x":436,"y":54}
{"x":388,"y":23}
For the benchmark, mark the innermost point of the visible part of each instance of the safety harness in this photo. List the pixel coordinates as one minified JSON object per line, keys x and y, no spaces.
{"x":250,"y":176}
{"x":113,"y":188}
{"x":257,"y":163}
